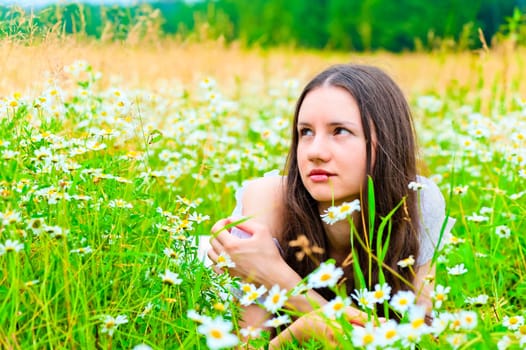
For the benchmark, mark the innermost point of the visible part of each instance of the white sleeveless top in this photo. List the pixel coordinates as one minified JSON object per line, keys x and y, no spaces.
{"x":433,"y":217}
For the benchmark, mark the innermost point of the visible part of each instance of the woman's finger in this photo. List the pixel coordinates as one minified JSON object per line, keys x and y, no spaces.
{"x":220,"y":225}
{"x":253,"y":227}
{"x":216,"y":246}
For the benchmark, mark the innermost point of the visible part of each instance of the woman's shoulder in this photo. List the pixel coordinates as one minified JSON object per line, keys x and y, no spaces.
{"x":271,"y":187}
{"x":431,"y":192}
{"x":434,"y":225}
{"x":263,"y":199}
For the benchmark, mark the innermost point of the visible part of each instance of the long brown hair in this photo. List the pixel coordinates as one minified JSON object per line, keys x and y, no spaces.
{"x":385,"y":114}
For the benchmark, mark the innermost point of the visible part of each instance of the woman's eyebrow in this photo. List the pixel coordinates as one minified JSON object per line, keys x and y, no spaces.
{"x":336,"y":122}
{"x":343,"y":122}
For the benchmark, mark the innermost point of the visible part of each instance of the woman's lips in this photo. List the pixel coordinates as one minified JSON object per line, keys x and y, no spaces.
{"x":319,"y":175}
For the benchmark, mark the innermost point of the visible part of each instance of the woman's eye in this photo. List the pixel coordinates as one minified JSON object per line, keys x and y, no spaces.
{"x":305,"y":132}
{"x":342,"y":131}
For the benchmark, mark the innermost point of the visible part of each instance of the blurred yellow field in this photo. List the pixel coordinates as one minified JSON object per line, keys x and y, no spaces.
{"x":492,"y":74}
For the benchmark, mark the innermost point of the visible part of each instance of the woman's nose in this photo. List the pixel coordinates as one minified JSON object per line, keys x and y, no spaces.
{"x":319,"y":149}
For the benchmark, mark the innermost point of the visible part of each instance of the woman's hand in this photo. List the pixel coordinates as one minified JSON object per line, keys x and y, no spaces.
{"x":257,"y":258}
{"x":312,"y":325}
{"x":315,"y":325}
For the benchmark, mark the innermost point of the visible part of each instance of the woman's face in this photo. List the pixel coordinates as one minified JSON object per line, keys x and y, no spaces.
{"x":331,"y":145}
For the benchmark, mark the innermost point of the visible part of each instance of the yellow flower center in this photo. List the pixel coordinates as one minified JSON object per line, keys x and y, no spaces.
{"x":325,"y":277}
{"x":417,"y":323}
{"x":378,"y":294}
{"x":216,"y":334}
{"x":338,"y":306}
{"x":390,"y":334}
{"x":219,"y":306}
{"x":368,"y":339}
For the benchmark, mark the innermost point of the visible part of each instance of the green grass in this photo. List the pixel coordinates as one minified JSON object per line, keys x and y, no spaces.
{"x":169,"y":167}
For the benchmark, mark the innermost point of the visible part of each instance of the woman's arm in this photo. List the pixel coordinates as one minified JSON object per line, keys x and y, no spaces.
{"x":424,"y":284}
{"x":318,"y":326}
{"x":257,"y":258}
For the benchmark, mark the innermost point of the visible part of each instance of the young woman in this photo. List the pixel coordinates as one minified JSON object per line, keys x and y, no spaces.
{"x":351,"y":122}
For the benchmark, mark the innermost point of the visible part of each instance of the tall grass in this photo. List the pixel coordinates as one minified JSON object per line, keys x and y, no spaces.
{"x":115,"y":165}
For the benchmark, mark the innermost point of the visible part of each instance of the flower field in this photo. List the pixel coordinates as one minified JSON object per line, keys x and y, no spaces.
{"x":108,"y":182}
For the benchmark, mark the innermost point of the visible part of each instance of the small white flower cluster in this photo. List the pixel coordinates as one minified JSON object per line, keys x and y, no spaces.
{"x":224,"y":260}
{"x":10,"y":246}
{"x":514,"y":324}
{"x":409,"y":332}
{"x":217,"y":331}
{"x":326,"y":275}
{"x":110,"y":323}
{"x":338,"y":213}
{"x":171,"y":278}
{"x":416,"y":186}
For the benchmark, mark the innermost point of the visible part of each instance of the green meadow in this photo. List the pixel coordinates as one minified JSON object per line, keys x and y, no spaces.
{"x":116,"y":157}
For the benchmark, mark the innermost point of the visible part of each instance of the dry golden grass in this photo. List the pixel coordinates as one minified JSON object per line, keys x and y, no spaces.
{"x":488,"y":74}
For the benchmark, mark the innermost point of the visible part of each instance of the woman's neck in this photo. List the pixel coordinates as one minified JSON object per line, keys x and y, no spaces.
{"x":339,"y":238}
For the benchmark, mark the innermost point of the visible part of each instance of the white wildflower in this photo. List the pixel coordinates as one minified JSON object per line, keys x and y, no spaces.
{"x":457,"y":270}
{"x":326,"y":275}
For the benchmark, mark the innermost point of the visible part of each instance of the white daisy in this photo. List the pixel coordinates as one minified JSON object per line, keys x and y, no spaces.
{"x":278,"y":321}
{"x":416,"y":186}
{"x":417,"y":318}
{"x":336,"y":307}
{"x":388,"y":333}
{"x":439,"y":295}
{"x":468,"y":319}
{"x":503,"y":231}
{"x":11,"y":246}
{"x":513,"y":322}
{"x":456,"y":340}
{"x":326,"y":275}
{"x":381,"y":293}
{"x":364,"y":298}
{"x":275,"y":299}
{"x":402,"y":300}
{"x":409,"y":261}
{"x":252,"y":296}
{"x":224,"y":260}
{"x":457,"y":270}
{"x":330,"y":216}
{"x":250,"y":332}
{"x":477,"y":300}
{"x":440,"y":323}
{"x":170,"y":277}
{"x":347,"y":208}
{"x":110,"y":323}
{"x":196,"y":317}
{"x":217,"y":333}
{"x":365,"y":336}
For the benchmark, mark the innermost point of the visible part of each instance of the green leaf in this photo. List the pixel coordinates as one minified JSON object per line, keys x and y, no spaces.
{"x":155,"y":136}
